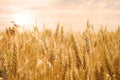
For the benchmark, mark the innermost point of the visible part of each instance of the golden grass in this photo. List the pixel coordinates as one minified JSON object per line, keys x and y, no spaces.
{"x":47,"y":55}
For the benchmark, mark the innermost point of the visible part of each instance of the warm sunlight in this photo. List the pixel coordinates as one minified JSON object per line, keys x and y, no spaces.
{"x":59,"y":39}
{"x":23,"y":19}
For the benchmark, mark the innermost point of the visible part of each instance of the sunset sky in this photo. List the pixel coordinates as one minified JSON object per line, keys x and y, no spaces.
{"x":70,"y":13}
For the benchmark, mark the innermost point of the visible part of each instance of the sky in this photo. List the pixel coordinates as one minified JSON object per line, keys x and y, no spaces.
{"x":69,"y":13}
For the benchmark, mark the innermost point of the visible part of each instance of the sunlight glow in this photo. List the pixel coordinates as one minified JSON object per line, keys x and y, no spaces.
{"x":23,"y":19}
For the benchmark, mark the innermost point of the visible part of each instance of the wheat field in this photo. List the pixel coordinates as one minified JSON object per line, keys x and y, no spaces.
{"x":59,"y":55}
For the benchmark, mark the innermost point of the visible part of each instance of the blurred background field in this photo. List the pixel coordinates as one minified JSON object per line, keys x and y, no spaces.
{"x":60,"y":55}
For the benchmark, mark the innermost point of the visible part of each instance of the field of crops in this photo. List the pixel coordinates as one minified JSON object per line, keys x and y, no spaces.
{"x":60,"y":55}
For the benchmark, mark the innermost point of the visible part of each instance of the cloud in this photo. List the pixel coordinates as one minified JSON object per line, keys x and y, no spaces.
{"x":97,"y":11}
{"x":91,"y":5}
{"x":68,"y":2}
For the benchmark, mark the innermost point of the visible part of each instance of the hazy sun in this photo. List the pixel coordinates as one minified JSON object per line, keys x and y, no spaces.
{"x":22,"y":19}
